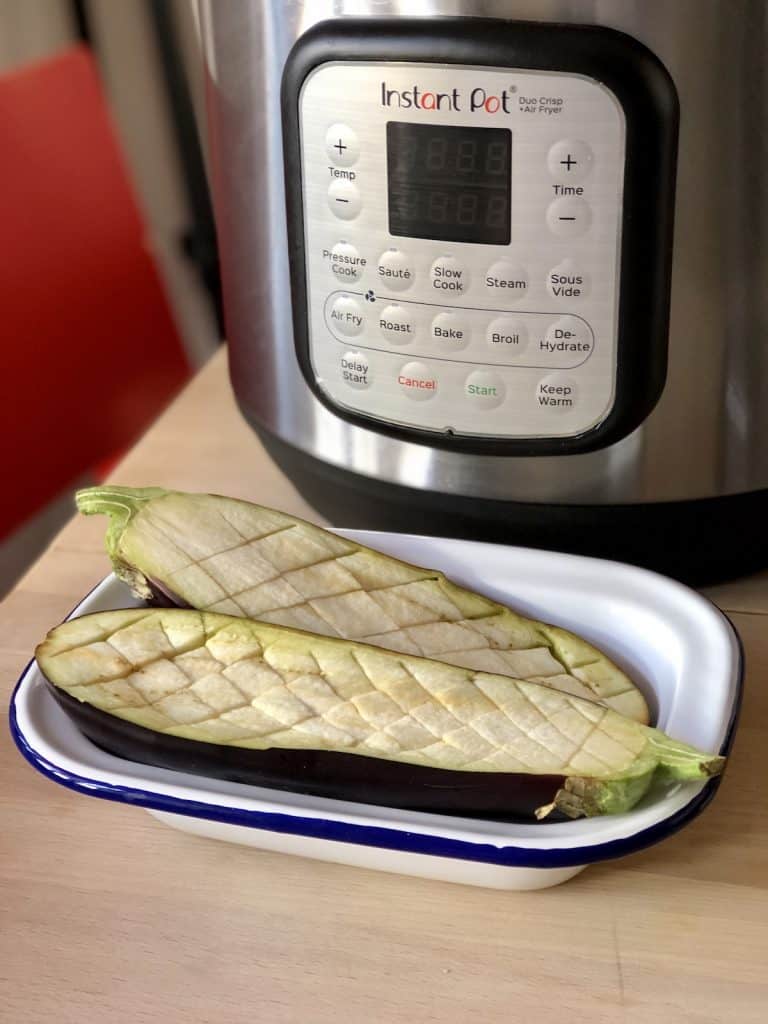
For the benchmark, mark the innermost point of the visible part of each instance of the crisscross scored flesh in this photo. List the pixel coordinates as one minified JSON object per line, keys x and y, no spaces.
{"x":228,"y":556}
{"x":222,"y":680}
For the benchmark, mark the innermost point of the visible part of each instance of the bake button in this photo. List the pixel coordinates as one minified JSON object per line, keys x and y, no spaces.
{"x":347,"y":316}
{"x":570,"y":160}
{"x":341,"y":145}
{"x":448,"y":277}
{"x":395,"y":270}
{"x":556,"y":393}
{"x":450,"y":331}
{"x":507,"y":280}
{"x":567,"y":281}
{"x":396,"y":324}
{"x":568,"y":217}
{"x":356,"y":370}
{"x":345,"y":262}
{"x":485,"y":389}
{"x":417,"y":381}
{"x":507,"y":335}
{"x":344,"y":199}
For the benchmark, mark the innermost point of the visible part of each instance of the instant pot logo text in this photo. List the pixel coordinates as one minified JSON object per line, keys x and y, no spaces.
{"x":424,"y":99}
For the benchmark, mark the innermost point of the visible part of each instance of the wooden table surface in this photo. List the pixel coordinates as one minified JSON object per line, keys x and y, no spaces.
{"x":106,"y":915}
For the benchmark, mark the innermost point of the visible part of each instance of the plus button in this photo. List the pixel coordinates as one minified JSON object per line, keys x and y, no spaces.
{"x":569,"y":162}
{"x":340,"y":146}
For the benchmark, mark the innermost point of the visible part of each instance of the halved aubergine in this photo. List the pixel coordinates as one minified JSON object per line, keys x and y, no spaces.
{"x":224,"y":555}
{"x":215,"y":694}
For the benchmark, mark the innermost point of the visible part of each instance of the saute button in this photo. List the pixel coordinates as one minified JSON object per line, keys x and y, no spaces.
{"x":570,"y":160}
{"x":556,"y":394}
{"x":506,"y":281}
{"x":347,"y":316}
{"x":395,"y":271}
{"x":396,"y":324}
{"x":448,"y":277}
{"x":341,"y":145}
{"x":356,"y":370}
{"x":345,"y":261}
{"x":417,"y":381}
{"x":344,"y":199}
{"x":568,"y":217}
{"x":485,"y":389}
{"x":507,"y":336}
{"x":450,"y":331}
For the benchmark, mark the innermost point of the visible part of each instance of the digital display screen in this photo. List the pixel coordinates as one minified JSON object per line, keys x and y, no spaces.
{"x":450,"y":184}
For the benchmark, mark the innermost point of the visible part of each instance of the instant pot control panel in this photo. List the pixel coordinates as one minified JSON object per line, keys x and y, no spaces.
{"x":461,"y":270}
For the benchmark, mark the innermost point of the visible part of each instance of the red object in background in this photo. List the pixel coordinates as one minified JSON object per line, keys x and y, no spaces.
{"x":89,"y":353}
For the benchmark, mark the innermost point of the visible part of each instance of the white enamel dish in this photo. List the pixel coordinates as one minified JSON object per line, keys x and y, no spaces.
{"x":674,"y":643}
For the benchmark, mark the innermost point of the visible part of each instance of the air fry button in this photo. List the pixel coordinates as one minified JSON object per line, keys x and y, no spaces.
{"x":417,"y":381}
{"x":356,"y":370}
{"x":346,"y":316}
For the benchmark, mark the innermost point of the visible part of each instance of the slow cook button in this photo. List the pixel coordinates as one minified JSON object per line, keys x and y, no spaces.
{"x":567,"y":281}
{"x":345,"y":261}
{"x":417,"y":381}
{"x":507,"y":335}
{"x":556,"y":393}
{"x":395,"y":270}
{"x":506,"y":281}
{"x":450,"y":331}
{"x":484,"y":389}
{"x":448,"y":277}
{"x":396,"y":324}
{"x":356,"y":370}
{"x":347,"y":316}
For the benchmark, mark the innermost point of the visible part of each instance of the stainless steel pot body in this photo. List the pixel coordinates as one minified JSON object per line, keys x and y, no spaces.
{"x":708,"y":435}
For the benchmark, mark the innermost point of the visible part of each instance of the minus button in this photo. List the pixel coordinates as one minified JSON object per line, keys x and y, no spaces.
{"x":344,"y":199}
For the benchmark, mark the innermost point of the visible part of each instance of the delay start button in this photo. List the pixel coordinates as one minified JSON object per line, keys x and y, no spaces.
{"x":356,"y":370}
{"x":417,"y":381}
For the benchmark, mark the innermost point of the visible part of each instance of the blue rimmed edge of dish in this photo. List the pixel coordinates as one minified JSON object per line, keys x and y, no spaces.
{"x":404,"y":841}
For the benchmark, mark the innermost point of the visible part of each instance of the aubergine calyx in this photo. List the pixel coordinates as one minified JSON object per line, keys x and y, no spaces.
{"x":236,"y":682}
{"x":224,"y":555}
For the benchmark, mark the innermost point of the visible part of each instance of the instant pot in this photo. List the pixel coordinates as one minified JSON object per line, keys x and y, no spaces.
{"x":497,"y":269}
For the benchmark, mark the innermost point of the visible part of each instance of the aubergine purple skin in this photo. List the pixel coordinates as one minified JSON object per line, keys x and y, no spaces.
{"x":336,"y":776}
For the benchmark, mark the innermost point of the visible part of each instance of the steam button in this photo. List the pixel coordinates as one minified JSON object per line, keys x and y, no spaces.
{"x":341,"y":145}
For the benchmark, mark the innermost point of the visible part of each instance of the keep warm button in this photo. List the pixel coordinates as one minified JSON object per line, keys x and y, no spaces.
{"x":557,"y":394}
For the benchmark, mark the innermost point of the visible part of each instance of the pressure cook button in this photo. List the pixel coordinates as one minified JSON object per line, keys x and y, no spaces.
{"x":345,"y":261}
{"x":505,"y":280}
{"x":417,"y":381}
{"x":356,"y":370}
{"x":448,"y":277}
{"x":450,"y":331}
{"x":395,"y":271}
{"x":344,"y":199}
{"x":341,"y":145}
{"x":507,"y":335}
{"x":347,"y":316}
{"x":396,"y":324}
{"x":556,"y":394}
{"x":570,"y":160}
{"x":485,"y":389}
{"x":567,"y":281}
{"x":569,"y":217}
